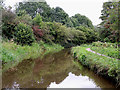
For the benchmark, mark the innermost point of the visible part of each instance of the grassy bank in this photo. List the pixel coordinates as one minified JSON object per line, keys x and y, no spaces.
{"x":108,"y":49}
{"x":105,"y":66}
{"x":111,"y":52}
{"x":12,"y":54}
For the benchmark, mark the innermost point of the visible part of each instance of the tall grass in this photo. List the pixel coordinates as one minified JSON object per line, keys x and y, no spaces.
{"x":12,"y":54}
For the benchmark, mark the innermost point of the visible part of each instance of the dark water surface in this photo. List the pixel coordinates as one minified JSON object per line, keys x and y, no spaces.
{"x":55,"y":70}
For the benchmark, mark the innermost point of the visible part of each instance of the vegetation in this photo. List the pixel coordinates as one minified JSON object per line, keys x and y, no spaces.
{"x":35,"y":29}
{"x":53,"y":14}
{"x":101,"y":65}
{"x":12,"y":53}
{"x":8,"y":23}
{"x":109,"y":27}
{"x":23,"y":34}
{"x":108,"y":49}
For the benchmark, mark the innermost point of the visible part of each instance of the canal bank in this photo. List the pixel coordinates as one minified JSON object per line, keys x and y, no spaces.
{"x":102,"y":65}
{"x":12,"y":54}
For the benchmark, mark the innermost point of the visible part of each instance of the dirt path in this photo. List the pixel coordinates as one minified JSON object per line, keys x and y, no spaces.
{"x":88,"y":49}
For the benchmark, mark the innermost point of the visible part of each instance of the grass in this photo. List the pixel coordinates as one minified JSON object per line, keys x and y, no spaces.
{"x":111,"y":52}
{"x":108,"y":49}
{"x":100,"y":64}
{"x":101,"y":44}
{"x":12,"y":54}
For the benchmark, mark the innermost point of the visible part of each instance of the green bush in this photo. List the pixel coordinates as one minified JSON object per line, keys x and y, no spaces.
{"x":79,"y":37}
{"x":37,"y":20}
{"x":58,"y":33}
{"x":8,"y":24}
{"x":90,"y":34}
{"x":23,"y":17}
{"x":23,"y":34}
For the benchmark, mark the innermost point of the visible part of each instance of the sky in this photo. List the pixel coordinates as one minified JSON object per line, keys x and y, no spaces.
{"x":89,"y":8}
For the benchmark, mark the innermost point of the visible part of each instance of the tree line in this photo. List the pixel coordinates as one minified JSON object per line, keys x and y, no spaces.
{"x":36,"y":21}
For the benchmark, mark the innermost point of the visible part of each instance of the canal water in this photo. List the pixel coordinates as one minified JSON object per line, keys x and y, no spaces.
{"x":54,"y":70}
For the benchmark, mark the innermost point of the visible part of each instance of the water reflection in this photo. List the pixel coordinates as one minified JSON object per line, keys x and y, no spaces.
{"x":55,"y":70}
{"x":73,"y":81}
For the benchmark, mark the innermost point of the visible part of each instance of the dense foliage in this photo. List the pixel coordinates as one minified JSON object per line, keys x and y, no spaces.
{"x":109,"y":28}
{"x":50,"y":32}
{"x":23,"y":34}
{"x":90,"y":34}
{"x":23,"y":17}
{"x":53,"y":14}
{"x":8,"y":24}
{"x":37,"y":20}
{"x":79,"y":20}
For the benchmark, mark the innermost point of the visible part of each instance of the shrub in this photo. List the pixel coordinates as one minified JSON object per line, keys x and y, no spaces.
{"x":89,"y":33}
{"x":37,"y":32}
{"x":23,"y":17}
{"x":37,"y":20}
{"x":23,"y":34}
{"x":79,"y":37}
{"x":8,"y":24}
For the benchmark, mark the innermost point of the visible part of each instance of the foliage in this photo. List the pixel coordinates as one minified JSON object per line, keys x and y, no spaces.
{"x":100,"y":64}
{"x":32,"y":8}
{"x":107,"y":45}
{"x":8,"y":24}
{"x":58,"y":33}
{"x":90,"y":34}
{"x":109,"y":26}
{"x":23,"y":34}
{"x":79,"y":20}
{"x":12,"y":52}
{"x":23,"y":17}
{"x":53,"y":14}
{"x":59,"y":15}
{"x":37,"y":20}
{"x":38,"y":33}
{"x":109,"y":51}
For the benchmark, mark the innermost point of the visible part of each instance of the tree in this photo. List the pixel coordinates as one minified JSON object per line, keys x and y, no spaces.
{"x":110,"y":17}
{"x":78,"y":20}
{"x":59,"y":15}
{"x":34,"y":8}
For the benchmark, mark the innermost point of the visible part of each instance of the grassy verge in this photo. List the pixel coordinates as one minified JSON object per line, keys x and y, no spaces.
{"x":108,"y":49}
{"x":101,"y":65}
{"x":111,"y":52}
{"x":12,"y":54}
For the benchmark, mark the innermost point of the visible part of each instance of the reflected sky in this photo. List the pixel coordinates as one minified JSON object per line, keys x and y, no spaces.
{"x":73,"y":81}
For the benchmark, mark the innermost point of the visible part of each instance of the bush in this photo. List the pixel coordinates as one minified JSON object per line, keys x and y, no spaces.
{"x":37,"y":20}
{"x":23,"y":34}
{"x":38,"y":33}
{"x":89,"y":33}
{"x":23,"y":17}
{"x":8,"y":24}
{"x":58,"y":33}
{"x":79,"y":37}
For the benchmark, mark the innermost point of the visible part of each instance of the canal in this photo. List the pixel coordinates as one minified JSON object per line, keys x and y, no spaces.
{"x":54,"y":70}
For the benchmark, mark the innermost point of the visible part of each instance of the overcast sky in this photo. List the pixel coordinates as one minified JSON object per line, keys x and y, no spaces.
{"x":90,"y":8}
